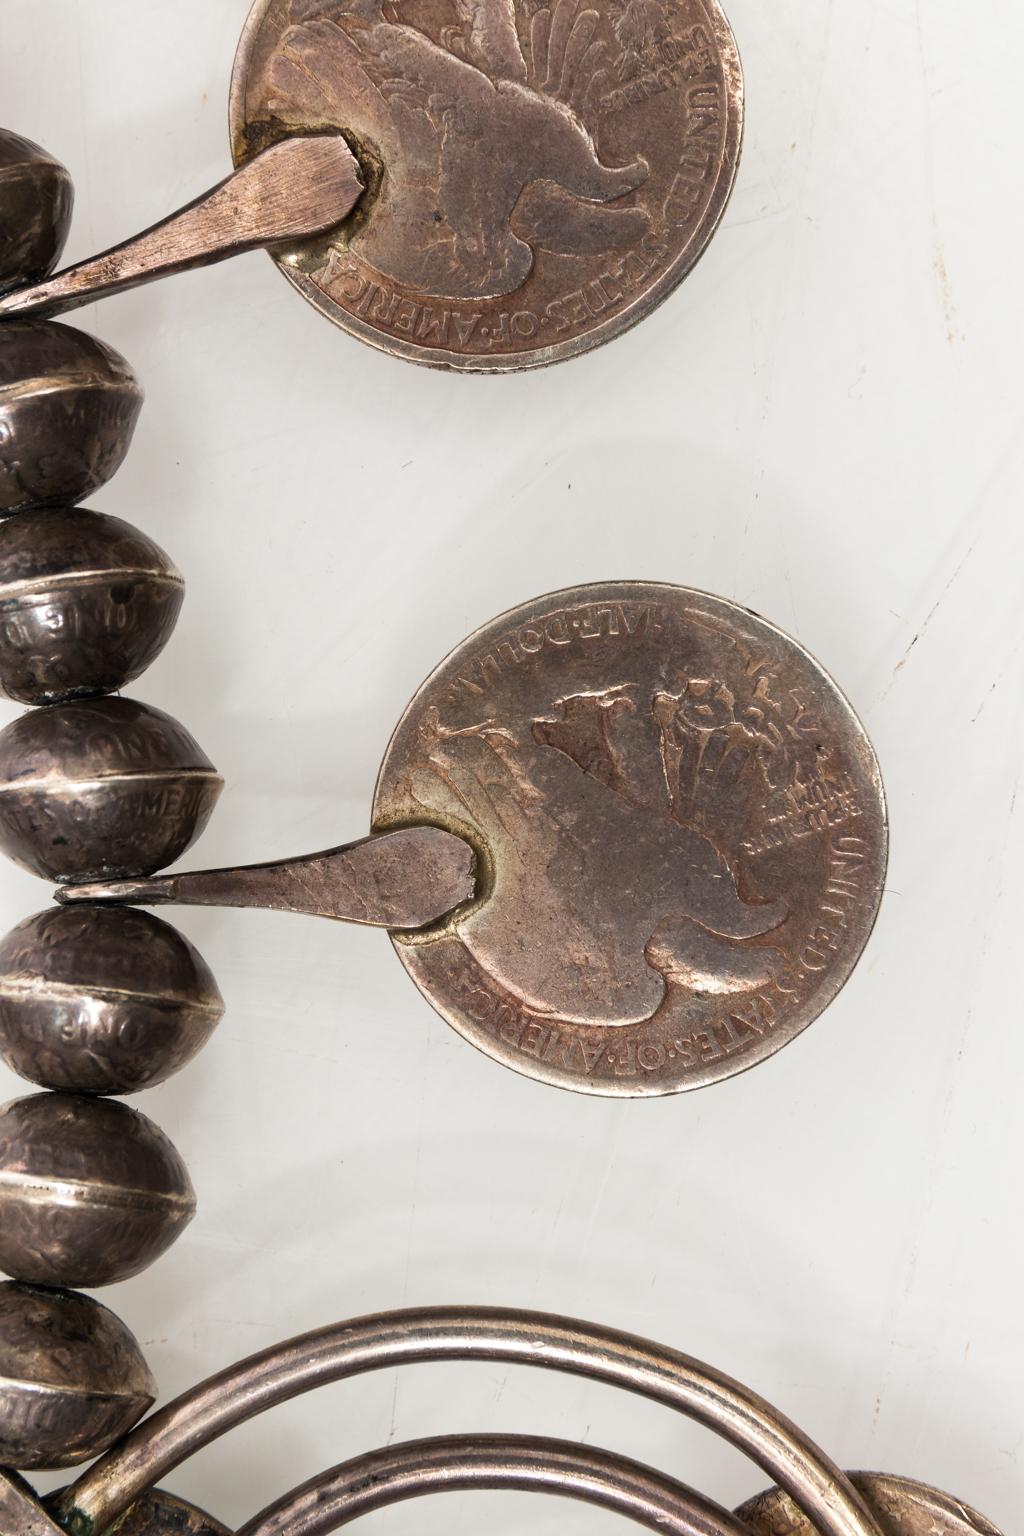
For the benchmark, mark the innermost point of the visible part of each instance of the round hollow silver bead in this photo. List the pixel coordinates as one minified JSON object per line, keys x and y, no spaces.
{"x":86,"y":603}
{"x":68,"y":408}
{"x":91,"y":1192}
{"x":102,"y":999}
{"x":36,"y":200}
{"x":101,"y":789}
{"x":72,"y":1378}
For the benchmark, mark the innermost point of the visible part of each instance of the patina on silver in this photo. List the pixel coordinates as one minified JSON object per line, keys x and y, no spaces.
{"x":537,"y":178}
{"x":819,"y":1498}
{"x":36,"y":199}
{"x":539,"y":175}
{"x":102,"y":1000}
{"x":68,"y":409}
{"x":517,"y":1463}
{"x":86,"y":603}
{"x":677,"y":759}
{"x":20,"y":1509}
{"x":682,"y":827}
{"x":298,"y":188}
{"x":72,"y":1380}
{"x":407,"y":878}
{"x":181,"y":1428}
{"x":161,"y":1514}
{"x":101,"y":787}
{"x":901,"y":1507}
{"x":91,"y":1192}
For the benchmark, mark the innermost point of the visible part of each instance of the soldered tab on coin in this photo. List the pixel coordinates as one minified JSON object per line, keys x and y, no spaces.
{"x":680,"y":826}
{"x":540,"y":173}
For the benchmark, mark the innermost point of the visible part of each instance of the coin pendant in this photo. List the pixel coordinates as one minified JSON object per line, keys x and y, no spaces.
{"x":541,"y":173}
{"x":681,"y":832}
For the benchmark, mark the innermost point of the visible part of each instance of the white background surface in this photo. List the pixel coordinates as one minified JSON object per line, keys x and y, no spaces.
{"x":823,"y":424}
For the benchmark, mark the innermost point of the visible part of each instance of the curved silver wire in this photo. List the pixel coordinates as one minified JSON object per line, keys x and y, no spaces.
{"x":91,"y":1504}
{"x":523,"y":1463}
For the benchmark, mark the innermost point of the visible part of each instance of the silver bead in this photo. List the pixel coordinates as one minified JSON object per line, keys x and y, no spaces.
{"x":101,"y":787}
{"x":91,"y":1192}
{"x":86,"y":603}
{"x":68,"y":408}
{"x":102,"y":999}
{"x":36,"y":198}
{"x":72,"y":1378}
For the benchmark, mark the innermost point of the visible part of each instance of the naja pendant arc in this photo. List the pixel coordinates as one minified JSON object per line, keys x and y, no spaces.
{"x":540,"y":173}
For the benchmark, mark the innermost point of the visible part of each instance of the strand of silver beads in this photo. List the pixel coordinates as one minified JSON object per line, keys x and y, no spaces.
{"x":93,"y":1001}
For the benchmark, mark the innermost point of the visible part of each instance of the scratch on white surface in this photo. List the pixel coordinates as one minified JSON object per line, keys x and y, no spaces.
{"x":939,"y":264}
{"x":788,"y":569}
{"x":1011,"y":1452}
{"x":946,"y":293}
{"x":933,"y":610}
{"x":991,"y":690}
{"x":762,"y":215}
{"x":393,"y":1423}
{"x":982,"y":507}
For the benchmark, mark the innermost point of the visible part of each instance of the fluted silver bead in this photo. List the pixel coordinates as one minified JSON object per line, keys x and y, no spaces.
{"x":91,"y":1192}
{"x":101,"y":788}
{"x":72,"y":1378}
{"x":102,"y":999}
{"x":36,"y":199}
{"x":68,"y":408}
{"x":86,"y":603}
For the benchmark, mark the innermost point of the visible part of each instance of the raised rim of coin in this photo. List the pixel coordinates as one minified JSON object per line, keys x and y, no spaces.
{"x":294,"y":263}
{"x":637,"y":933}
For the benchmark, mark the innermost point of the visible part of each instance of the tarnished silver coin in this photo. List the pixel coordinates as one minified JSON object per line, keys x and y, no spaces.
{"x":680,"y":827}
{"x":901,"y":1507}
{"x":540,"y":173}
